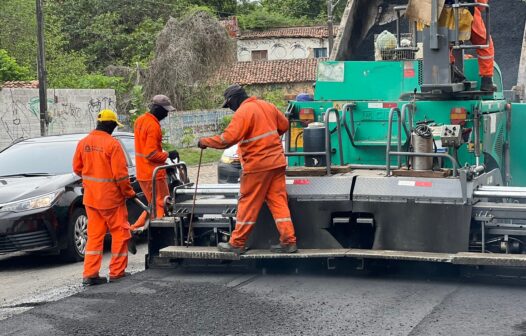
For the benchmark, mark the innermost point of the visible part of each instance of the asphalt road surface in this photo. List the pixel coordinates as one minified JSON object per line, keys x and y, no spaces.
{"x":225,"y":301}
{"x":41,"y":296}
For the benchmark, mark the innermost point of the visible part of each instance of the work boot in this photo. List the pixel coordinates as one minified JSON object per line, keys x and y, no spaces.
{"x":94,"y":281}
{"x":132,"y":246}
{"x":118,"y":277}
{"x":226,"y":247}
{"x":282,"y":248}
{"x":486,"y":84}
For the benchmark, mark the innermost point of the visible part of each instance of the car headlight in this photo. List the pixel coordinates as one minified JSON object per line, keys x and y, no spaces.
{"x":38,"y":202}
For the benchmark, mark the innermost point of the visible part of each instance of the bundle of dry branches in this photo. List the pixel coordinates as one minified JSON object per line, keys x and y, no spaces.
{"x":188,"y":52}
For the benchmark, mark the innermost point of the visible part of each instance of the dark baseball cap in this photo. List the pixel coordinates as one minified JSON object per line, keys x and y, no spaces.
{"x":163,"y":101}
{"x":231,"y":91}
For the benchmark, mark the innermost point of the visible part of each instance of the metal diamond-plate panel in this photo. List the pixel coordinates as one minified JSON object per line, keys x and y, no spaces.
{"x":333,"y":187}
{"x":401,"y":189}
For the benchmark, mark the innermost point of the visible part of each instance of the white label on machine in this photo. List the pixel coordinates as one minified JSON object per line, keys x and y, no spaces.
{"x":375,"y":105}
{"x":407,"y":183}
{"x":289,"y":181}
{"x":493,"y":123}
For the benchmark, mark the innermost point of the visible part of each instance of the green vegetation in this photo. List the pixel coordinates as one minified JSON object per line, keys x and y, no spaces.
{"x":191,"y":155}
{"x":10,"y":70}
{"x":83,"y":38}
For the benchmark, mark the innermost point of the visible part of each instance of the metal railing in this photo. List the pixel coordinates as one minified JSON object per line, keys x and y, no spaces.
{"x":456,"y":6}
{"x":152,"y":205}
{"x":328,"y":150}
{"x":399,"y":153}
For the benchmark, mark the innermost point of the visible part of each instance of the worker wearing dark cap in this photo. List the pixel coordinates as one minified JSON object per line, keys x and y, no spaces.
{"x":149,"y":154}
{"x":257,"y":126}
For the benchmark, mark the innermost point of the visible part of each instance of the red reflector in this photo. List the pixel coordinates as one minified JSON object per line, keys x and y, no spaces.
{"x":409,"y":73}
{"x":390,"y":105}
{"x":458,"y":116}
{"x":409,"y":70}
{"x":423,"y":184}
{"x":301,"y":182}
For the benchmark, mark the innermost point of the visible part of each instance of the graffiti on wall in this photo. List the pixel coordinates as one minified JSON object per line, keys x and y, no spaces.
{"x":69,"y":111}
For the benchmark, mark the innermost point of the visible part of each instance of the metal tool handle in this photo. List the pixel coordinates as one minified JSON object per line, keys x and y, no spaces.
{"x":190,"y":232}
{"x":148,"y":211}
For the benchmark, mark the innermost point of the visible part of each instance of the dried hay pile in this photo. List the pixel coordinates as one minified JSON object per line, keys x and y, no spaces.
{"x":189,"y":51}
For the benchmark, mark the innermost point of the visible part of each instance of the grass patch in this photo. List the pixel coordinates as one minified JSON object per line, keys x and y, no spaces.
{"x":191,"y":155}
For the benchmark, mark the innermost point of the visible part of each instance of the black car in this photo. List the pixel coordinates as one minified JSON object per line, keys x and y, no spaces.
{"x":41,"y":198}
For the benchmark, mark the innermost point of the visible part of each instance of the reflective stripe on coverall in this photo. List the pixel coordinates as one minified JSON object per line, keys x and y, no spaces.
{"x":116,"y":222}
{"x":257,"y":127}
{"x":149,"y":155}
{"x":100,"y":160}
{"x":478,"y":36}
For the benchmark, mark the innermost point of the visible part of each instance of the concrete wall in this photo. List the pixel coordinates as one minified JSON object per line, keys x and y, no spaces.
{"x":280,"y":48}
{"x":70,"y":111}
{"x":184,"y":128}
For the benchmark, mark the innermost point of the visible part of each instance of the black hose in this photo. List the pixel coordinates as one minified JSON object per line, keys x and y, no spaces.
{"x":423,"y":131}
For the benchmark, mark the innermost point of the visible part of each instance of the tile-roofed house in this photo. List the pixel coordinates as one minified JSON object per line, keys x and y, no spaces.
{"x":19,"y":85}
{"x":283,"y":43}
{"x":291,"y":76}
{"x":307,"y":32}
{"x":271,"y":72}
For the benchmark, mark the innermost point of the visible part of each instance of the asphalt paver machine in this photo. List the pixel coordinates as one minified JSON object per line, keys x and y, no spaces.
{"x":393,"y":159}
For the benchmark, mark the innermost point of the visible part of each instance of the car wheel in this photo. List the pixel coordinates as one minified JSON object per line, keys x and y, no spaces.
{"x":77,"y":236}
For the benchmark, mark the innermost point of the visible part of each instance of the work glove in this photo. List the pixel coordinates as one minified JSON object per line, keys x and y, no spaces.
{"x":173,"y":155}
{"x":201,"y":145}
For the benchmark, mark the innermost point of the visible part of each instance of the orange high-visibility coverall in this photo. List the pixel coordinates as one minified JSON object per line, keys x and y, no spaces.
{"x":478,"y":36}
{"x":257,"y":127}
{"x":99,"y":159}
{"x":149,"y":155}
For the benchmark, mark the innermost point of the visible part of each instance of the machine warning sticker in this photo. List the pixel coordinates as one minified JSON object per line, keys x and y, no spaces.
{"x":415,"y":183}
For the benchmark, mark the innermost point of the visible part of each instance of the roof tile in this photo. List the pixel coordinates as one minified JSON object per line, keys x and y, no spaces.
{"x":271,"y":72}
{"x":306,"y":32}
{"x":19,"y":85}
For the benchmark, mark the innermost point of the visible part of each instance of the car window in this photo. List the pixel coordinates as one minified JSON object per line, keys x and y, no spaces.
{"x":129,"y":146}
{"x":38,"y":157}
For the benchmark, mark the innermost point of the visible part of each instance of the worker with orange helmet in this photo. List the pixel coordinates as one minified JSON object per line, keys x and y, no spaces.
{"x":99,"y":159}
{"x":257,"y":126}
{"x":149,"y":154}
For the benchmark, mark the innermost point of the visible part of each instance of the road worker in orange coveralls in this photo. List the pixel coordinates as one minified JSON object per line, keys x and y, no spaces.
{"x":485,"y":55}
{"x":257,"y":127}
{"x":149,"y":154}
{"x":99,"y":159}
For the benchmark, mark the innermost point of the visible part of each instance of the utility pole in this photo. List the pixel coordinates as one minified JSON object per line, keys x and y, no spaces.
{"x":330,"y":10}
{"x":41,"y":65}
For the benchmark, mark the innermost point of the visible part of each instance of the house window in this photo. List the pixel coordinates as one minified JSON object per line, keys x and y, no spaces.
{"x":320,"y":52}
{"x":259,"y":55}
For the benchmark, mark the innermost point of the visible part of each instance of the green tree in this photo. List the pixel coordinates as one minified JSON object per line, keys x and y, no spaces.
{"x":17,"y":32}
{"x":10,"y":70}
{"x":262,"y":18}
{"x":296,"y":8}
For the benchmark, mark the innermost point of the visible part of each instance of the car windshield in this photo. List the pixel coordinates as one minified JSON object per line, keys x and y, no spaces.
{"x":29,"y":158}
